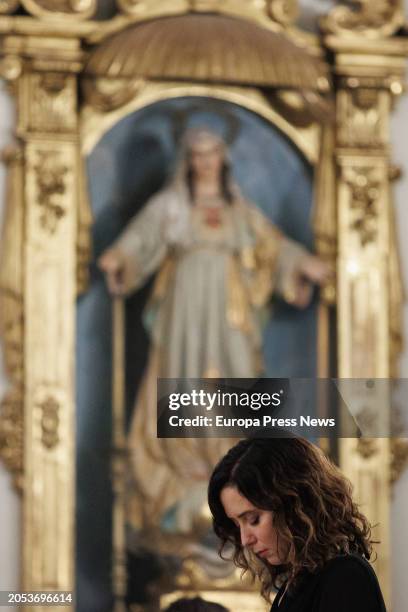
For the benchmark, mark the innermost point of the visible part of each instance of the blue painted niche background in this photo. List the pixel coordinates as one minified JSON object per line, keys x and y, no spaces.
{"x":130,"y":163}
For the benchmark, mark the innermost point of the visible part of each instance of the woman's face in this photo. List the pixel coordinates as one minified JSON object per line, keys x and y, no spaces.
{"x":255,"y":525}
{"x":207,"y":159}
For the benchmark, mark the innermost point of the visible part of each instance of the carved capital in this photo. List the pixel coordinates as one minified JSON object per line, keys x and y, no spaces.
{"x":371,"y":18}
{"x":362,"y":123}
{"x":51,"y":102}
{"x":393,"y":83}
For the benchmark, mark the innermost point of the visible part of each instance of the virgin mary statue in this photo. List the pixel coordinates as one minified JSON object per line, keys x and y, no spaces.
{"x":218,"y":260}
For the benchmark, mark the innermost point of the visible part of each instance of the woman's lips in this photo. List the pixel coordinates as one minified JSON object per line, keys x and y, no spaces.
{"x":263,"y":553}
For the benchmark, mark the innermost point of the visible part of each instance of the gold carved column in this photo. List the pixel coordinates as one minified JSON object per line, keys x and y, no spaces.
{"x":44,"y":70}
{"x":369,"y":65}
{"x":51,"y":158}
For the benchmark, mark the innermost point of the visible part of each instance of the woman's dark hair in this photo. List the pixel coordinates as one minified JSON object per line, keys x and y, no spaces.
{"x":313,"y":511}
{"x":194,"y":604}
{"x":226,"y":191}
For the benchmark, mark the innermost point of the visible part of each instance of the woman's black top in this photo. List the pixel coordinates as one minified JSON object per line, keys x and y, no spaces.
{"x":345,"y":584}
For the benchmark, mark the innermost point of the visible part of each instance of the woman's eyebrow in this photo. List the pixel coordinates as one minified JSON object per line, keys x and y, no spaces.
{"x":245,"y":512}
{"x":241,"y":515}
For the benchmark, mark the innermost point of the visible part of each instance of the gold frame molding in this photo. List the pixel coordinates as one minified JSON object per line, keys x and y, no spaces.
{"x":44,"y":55}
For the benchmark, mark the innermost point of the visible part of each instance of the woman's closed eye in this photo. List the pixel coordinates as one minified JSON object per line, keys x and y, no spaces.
{"x":254,"y":520}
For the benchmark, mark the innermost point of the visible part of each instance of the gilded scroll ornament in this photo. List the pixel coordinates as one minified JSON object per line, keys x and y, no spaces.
{"x":129,"y":6}
{"x":302,"y":108}
{"x":377,"y":18}
{"x":9,"y":6}
{"x":50,"y":174}
{"x":283,"y":11}
{"x":51,"y":9}
{"x":11,"y":67}
{"x":49,"y":421}
{"x":108,"y":94}
{"x":365,"y":191}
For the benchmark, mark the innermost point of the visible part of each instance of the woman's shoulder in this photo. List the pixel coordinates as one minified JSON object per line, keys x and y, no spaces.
{"x":350,"y":578}
{"x":353,"y":564}
{"x":345,"y":582}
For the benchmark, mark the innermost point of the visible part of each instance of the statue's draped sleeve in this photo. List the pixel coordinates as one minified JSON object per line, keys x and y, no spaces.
{"x":142,"y":244}
{"x":275,"y":261}
{"x":288,"y":277}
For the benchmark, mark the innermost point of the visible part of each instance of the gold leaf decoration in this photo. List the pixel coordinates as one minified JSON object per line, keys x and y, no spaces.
{"x":284,"y":11}
{"x":50,"y":422}
{"x":12,"y":316}
{"x":50,"y":181}
{"x":208,"y":48}
{"x":377,"y":18}
{"x":57,"y":9}
{"x":365,"y":192}
{"x":9,"y":6}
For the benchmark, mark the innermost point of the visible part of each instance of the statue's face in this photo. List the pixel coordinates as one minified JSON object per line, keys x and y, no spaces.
{"x":206,"y":159}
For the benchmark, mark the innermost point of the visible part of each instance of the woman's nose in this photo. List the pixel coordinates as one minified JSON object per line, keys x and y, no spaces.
{"x":247,"y":537}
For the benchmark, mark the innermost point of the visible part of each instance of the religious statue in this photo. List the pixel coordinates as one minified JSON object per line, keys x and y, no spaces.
{"x":218,"y":260}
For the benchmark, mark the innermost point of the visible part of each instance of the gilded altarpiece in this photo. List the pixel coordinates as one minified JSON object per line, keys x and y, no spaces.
{"x":73,"y":77}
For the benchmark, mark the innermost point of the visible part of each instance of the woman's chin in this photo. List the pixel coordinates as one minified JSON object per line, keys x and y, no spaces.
{"x":273,"y":560}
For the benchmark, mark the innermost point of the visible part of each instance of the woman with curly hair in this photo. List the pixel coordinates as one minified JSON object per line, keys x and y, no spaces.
{"x":289,"y":515}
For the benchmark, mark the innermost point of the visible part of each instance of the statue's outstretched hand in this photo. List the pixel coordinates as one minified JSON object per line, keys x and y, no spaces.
{"x":112,"y":263}
{"x":316,"y":270}
{"x":311,"y":271}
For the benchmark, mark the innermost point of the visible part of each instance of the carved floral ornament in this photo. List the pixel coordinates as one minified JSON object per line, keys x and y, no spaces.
{"x":50,"y":175}
{"x":364,"y":185}
{"x":376,"y":18}
{"x":50,"y":420}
